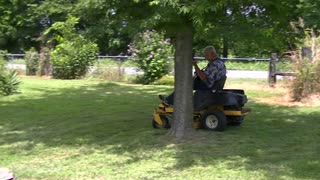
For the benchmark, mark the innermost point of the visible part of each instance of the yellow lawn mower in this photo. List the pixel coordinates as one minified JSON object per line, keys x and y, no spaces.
{"x":213,"y":110}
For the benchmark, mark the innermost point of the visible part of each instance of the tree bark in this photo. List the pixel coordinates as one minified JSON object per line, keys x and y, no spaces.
{"x":183,"y":97}
{"x":225,"y":51}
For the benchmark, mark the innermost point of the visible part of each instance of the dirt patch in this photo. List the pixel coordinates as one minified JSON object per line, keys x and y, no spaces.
{"x":284,"y":100}
{"x":255,"y":87}
{"x":37,"y":77}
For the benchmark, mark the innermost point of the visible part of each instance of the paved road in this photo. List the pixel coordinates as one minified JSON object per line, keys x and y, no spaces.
{"x":247,"y":74}
{"x":230,"y":73}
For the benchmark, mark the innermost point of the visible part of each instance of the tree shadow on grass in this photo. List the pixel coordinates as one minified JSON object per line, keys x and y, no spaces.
{"x":277,"y":141}
{"x":80,"y":115}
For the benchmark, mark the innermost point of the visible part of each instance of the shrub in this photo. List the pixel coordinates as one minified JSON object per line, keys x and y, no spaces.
{"x":8,"y":83}
{"x":8,"y":79}
{"x":32,"y":62}
{"x":73,"y":55}
{"x":2,"y":61}
{"x":151,"y":51}
{"x":72,"y":60}
{"x":165,"y":80}
{"x":107,"y":73}
{"x":307,"y":81}
{"x":44,"y":62}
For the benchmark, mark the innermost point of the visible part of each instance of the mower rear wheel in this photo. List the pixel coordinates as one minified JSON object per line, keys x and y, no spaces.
{"x":165,"y":123}
{"x":213,"y":120}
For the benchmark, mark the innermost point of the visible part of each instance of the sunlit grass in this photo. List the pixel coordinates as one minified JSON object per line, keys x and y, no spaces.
{"x":79,"y":129}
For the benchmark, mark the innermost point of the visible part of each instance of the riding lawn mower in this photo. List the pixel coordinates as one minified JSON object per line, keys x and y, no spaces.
{"x":213,"y":110}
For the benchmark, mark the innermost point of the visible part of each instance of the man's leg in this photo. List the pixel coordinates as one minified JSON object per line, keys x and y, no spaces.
{"x":197,"y":85}
{"x":201,"y":95}
{"x":200,"y":85}
{"x":167,"y":100}
{"x":170,"y":98}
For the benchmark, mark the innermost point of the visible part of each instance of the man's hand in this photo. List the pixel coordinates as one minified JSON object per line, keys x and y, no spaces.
{"x":199,"y":73}
{"x":194,"y":62}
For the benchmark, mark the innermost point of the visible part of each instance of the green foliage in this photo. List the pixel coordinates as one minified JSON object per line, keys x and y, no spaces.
{"x":165,"y":80}
{"x":32,"y":62}
{"x":107,"y":73}
{"x":44,"y":62}
{"x":105,"y":26}
{"x":151,"y":51}
{"x":19,"y":25}
{"x":307,"y":81}
{"x":9,"y":83}
{"x":308,"y":10}
{"x":2,"y":62}
{"x":74,"y":54}
{"x":71,"y":60}
{"x":251,"y":28}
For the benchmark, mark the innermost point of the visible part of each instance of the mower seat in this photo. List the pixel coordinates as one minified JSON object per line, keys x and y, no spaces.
{"x":202,"y":98}
{"x":219,"y":84}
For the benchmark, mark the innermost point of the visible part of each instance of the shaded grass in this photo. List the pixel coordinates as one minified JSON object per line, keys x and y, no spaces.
{"x":81,"y":129}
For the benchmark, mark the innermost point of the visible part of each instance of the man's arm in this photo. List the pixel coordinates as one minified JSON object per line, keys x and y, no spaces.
{"x":200,"y":74}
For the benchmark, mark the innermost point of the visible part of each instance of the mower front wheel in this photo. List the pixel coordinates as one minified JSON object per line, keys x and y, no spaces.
{"x":213,"y":120}
{"x":165,"y":123}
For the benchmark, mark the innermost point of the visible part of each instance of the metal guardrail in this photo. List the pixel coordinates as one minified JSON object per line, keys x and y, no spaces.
{"x":9,"y":57}
{"x":196,"y":57}
{"x":14,"y":56}
{"x":273,"y":73}
{"x":246,"y":59}
{"x":272,"y":78}
{"x":18,"y":55}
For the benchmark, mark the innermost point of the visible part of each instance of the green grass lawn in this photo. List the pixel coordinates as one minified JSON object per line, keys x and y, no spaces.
{"x":77,"y":129}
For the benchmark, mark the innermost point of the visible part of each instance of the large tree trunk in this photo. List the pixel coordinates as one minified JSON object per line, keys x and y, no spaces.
{"x":183,"y":99}
{"x":225,"y":50}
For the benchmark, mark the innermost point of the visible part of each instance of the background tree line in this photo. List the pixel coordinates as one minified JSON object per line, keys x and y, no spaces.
{"x":238,"y":28}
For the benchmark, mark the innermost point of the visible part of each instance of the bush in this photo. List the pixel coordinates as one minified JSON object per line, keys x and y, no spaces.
{"x":8,"y":83}
{"x":2,"y":61}
{"x":151,"y":52}
{"x":44,"y":62}
{"x":107,"y":73}
{"x":307,"y":81}
{"x":71,"y":60}
{"x":73,"y":55}
{"x":32,"y":62}
{"x":165,"y":80}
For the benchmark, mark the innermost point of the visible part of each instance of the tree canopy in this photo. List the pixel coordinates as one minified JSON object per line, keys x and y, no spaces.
{"x":238,"y":28}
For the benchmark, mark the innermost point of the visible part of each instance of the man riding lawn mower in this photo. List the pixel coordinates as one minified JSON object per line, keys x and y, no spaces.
{"x":214,"y":107}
